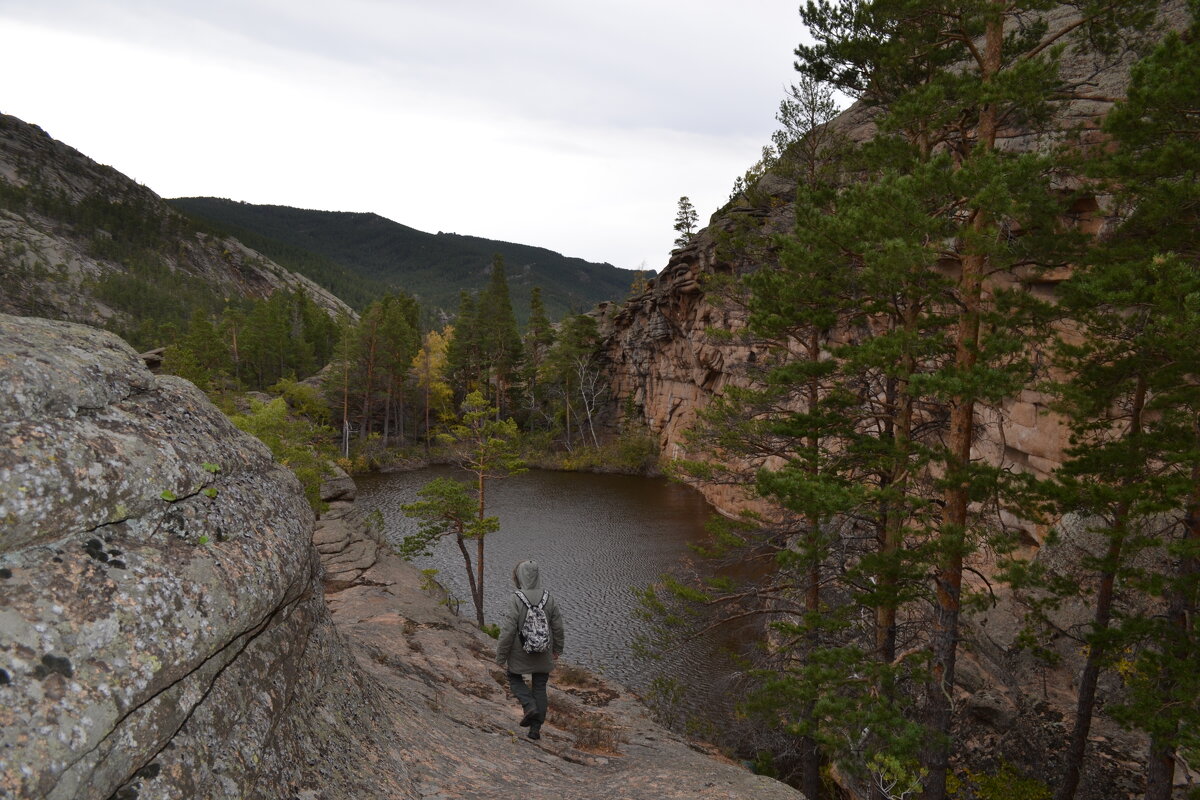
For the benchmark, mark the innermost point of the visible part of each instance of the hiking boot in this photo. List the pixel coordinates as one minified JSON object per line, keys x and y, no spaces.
{"x":529,"y":718}
{"x":535,"y":731}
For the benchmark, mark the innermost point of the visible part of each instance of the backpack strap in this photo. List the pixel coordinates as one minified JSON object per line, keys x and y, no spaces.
{"x":524,"y":599}
{"x":545,"y":597}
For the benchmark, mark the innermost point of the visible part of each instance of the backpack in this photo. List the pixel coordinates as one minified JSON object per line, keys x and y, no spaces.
{"x":535,"y":630}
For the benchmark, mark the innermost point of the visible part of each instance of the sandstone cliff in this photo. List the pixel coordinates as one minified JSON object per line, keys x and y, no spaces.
{"x":64,"y":220}
{"x":657,"y":347}
{"x":164,"y":634}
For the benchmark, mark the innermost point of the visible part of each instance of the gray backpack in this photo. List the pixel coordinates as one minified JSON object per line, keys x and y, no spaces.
{"x":535,"y":630}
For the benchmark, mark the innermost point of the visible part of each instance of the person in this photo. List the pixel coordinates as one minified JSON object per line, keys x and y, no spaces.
{"x":510,"y":652}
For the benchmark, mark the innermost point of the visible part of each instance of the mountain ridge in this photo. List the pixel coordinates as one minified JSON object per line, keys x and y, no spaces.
{"x":434,"y":267}
{"x":81,"y":241}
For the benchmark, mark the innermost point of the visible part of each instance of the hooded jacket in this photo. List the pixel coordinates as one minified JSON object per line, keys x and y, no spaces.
{"x":509,"y":652}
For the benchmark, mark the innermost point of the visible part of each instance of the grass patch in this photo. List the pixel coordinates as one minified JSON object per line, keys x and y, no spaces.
{"x":593,"y":732}
{"x":631,"y":453}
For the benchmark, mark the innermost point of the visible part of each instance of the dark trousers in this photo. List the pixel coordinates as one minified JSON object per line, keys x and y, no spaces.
{"x":530,"y":700}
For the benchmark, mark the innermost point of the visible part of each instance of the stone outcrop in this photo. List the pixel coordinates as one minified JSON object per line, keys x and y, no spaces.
{"x":50,"y":260}
{"x":347,"y":540}
{"x":163,"y":631}
{"x":162,"y":627}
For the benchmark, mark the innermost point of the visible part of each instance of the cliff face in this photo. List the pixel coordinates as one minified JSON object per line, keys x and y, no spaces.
{"x":163,"y":631}
{"x":68,"y":224}
{"x":657,"y":345}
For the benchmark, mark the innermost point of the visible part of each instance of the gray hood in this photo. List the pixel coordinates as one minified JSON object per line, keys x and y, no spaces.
{"x":527,"y":577}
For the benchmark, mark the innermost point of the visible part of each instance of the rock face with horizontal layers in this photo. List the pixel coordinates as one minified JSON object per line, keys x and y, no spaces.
{"x":346,"y":538}
{"x":162,"y":627}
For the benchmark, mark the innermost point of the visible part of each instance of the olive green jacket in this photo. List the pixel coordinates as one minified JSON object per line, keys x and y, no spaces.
{"x":509,"y":652}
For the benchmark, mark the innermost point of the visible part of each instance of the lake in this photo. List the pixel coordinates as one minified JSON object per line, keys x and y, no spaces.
{"x":595,"y":537}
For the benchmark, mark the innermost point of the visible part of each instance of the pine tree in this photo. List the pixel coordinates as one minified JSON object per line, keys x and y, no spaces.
{"x":369,"y":362}
{"x":200,"y":355}
{"x":232,"y":323}
{"x":1133,"y":476}
{"x":499,"y":335}
{"x":338,"y":389}
{"x":465,"y":352}
{"x":572,"y":367}
{"x":841,"y":327}
{"x":536,"y":344}
{"x":429,"y":371}
{"x":400,"y":344}
{"x":685,"y":221}
{"x":943,"y":79}
{"x":489,"y":449}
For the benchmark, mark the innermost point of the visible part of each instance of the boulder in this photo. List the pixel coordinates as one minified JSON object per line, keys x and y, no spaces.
{"x":163,"y":633}
{"x":338,"y":485}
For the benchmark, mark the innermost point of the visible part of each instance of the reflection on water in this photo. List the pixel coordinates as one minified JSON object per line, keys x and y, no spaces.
{"x":595,"y":537}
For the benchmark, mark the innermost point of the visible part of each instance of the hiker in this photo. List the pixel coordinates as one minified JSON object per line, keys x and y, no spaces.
{"x":531,"y":639}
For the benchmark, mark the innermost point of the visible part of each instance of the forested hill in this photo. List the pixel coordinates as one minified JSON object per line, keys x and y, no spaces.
{"x":83,"y":242}
{"x":433,"y":267}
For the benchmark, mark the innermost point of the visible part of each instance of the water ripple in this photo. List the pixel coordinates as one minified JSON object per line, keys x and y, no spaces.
{"x":596,"y":537}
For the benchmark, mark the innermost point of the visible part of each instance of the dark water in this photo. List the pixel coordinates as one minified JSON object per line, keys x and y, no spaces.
{"x":594,"y":536}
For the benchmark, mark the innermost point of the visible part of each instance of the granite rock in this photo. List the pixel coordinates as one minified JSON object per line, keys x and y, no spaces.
{"x":162,"y":625}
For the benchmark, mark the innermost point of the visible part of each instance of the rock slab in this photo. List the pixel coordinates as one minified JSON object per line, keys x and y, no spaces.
{"x":347,"y":540}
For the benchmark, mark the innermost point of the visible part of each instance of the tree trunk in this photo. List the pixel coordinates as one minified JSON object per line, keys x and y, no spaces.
{"x":948,"y":574}
{"x":568,"y":407}
{"x":479,"y":550}
{"x":475,"y":590}
{"x":1160,"y":770}
{"x":366,"y":405}
{"x":901,"y":416}
{"x":953,"y":542}
{"x":346,"y":411}
{"x":387,"y":415}
{"x":810,"y":754}
{"x":400,"y":413}
{"x":237,"y":360}
{"x":428,"y":388}
{"x":1086,"y":702}
{"x":810,"y":768}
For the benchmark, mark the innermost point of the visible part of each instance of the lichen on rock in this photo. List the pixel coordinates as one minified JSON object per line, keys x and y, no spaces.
{"x":151,"y":634}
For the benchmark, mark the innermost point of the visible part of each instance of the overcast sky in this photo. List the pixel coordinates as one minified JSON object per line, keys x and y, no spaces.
{"x":569,"y":124}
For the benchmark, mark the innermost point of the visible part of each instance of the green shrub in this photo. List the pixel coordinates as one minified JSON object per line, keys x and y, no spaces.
{"x":1004,"y":784}
{"x":303,"y":399}
{"x":295,"y":442}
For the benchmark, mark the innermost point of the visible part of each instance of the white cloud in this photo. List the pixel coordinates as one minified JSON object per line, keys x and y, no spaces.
{"x":569,"y":126}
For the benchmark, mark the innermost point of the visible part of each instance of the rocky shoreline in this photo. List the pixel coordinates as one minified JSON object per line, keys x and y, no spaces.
{"x":459,"y":728}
